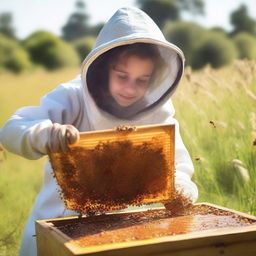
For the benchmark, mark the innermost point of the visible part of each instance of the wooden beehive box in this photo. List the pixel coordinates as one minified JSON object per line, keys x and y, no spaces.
{"x":203,"y":229}
{"x":207,"y":229}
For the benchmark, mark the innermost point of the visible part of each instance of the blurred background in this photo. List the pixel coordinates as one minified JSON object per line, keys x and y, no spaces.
{"x":35,"y":33}
{"x":43,"y":42}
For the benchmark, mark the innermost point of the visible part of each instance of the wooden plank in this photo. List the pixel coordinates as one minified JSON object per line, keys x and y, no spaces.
{"x":231,"y":244}
{"x":139,"y":130}
{"x":247,"y":248}
{"x":164,"y":133}
{"x":50,"y":242}
{"x":174,"y":244}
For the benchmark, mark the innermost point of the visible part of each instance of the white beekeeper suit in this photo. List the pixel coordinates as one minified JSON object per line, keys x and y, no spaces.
{"x":27,"y":131}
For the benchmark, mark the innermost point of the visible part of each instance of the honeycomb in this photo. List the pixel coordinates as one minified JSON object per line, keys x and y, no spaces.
{"x":109,"y":170}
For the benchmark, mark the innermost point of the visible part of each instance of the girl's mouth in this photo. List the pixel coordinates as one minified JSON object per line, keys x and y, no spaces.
{"x":125,"y":100}
{"x":126,"y":97}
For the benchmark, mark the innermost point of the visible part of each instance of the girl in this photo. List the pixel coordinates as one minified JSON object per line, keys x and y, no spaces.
{"x":127,"y":79}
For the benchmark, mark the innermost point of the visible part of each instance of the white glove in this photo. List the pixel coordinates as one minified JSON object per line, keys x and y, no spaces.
{"x":60,"y":137}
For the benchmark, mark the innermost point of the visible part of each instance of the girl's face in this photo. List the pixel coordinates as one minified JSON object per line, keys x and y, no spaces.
{"x":129,"y":79}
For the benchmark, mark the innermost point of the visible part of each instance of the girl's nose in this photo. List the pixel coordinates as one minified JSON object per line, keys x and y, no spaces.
{"x":131,"y":87}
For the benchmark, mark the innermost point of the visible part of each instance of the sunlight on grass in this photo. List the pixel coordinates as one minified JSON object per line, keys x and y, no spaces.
{"x":215,"y":113}
{"x":21,"y":179}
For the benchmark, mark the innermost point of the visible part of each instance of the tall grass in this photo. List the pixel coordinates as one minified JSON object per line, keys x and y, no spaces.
{"x":215,"y":108}
{"x":21,"y":179}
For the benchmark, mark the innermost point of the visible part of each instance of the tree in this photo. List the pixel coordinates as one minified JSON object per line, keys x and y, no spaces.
{"x":6,"y":27}
{"x":246,"y":45}
{"x":83,"y":46}
{"x":193,"y":6}
{"x":242,"y":22}
{"x":186,"y":35}
{"x":215,"y":49}
{"x":50,"y":51}
{"x":12,"y":56}
{"x":162,"y":11}
{"x":94,"y":30}
{"x":76,"y":26}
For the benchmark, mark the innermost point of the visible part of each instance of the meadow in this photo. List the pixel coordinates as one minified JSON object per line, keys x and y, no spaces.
{"x":217,"y":114}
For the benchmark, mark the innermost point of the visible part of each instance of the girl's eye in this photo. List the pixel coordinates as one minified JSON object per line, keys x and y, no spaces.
{"x":142,"y":81}
{"x":122,"y":77}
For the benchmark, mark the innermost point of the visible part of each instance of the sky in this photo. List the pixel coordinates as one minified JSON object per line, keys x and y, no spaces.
{"x":51,"y":15}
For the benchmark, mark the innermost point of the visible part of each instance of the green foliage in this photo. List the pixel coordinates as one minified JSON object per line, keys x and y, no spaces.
{"x":50,"y":51}
{"x":192,"y":6}
{"x":12,"y":56}
{"x":215,"y":49}
{"x":6,"y":47}
{"x":84,"y":45}
{"x":94,"y":30}
{"x":160,"y":10}
{"x":219,"y":30}
{"x":246,"y":45}
{"x":242,"y":22}
{"x":18,"y":60}
{"x":186,"y":35}
{"x":6,"y":26}
{"x":76,"y":26}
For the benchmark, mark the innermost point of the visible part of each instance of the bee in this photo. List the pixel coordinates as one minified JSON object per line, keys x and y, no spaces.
{"x":128,"y":128}
{"x":213,"y":123}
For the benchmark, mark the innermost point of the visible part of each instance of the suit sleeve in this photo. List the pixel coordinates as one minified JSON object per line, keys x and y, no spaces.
{"x":184,"y":168}
{"x":27,"y":131}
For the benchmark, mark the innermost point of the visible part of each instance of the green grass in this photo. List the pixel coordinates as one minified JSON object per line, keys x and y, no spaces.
{"x":21,"y":179}
{"x":223,"y":96}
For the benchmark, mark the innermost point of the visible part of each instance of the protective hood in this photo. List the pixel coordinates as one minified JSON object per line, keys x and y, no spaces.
{"x":130,"y":25}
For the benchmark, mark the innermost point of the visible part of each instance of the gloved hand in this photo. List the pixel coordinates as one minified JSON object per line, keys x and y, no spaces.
{"x":61,"y":136}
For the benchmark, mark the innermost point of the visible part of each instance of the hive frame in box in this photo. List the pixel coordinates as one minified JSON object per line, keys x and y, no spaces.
{"x":231,"y":241}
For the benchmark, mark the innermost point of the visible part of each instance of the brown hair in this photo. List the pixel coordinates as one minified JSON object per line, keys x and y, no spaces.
{"x":97,"y":74}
